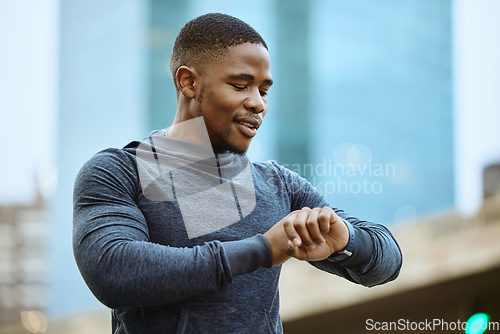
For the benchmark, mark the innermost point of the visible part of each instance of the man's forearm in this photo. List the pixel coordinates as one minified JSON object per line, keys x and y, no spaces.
{"x":377,"y":258}
{"x":139,"y":273}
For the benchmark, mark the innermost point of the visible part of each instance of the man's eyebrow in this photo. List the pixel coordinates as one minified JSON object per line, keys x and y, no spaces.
{"x":248,"y":77}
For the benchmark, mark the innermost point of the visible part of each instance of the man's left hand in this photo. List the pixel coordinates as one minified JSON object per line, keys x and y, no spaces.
{"x":315,"y":234}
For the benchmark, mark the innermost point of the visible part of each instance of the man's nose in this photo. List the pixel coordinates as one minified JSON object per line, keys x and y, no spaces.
{"x":255,"y":103}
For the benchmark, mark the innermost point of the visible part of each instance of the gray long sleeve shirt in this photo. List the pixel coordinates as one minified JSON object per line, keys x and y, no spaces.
{"x":179,"y":249}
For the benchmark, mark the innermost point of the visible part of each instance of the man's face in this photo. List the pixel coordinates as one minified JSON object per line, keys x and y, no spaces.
{"x":232,"y":97}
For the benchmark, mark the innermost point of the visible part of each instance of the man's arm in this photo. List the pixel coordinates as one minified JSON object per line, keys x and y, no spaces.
{"x":318,"y":235}
{"x":376,"y":257}
{"x":307,"y":234}
{"x":120,"y":264}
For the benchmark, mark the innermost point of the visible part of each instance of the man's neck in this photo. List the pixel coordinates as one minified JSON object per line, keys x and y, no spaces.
{"x":193,"y":130}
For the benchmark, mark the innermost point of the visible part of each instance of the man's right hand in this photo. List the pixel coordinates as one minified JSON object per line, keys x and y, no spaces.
{"x":278,"y":240}
{"x":307,"y":234}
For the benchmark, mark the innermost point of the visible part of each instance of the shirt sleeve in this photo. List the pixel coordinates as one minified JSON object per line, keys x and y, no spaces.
{"x":376,"y":256}
{"x":116,"y":258}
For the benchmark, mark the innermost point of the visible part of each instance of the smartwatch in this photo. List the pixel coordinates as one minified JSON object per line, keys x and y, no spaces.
{"x":347,"y":251}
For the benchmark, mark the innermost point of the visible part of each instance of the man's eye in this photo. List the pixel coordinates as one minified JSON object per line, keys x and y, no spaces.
{"x":263,"y":92}
{"x":238,"y":87}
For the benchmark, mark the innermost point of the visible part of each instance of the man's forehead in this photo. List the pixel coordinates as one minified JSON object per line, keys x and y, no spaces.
{"x":245,"y":52}
{"x":246,"y":58}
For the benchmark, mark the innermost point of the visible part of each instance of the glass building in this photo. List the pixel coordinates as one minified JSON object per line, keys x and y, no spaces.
{"x":374,"y":102}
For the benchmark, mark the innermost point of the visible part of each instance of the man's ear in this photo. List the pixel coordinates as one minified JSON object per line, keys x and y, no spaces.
{"x":185,"y":78}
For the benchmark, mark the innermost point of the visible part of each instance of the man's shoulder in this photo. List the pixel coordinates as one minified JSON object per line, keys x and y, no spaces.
{"x":266,"y":166}
{"x":111,"y":160}
{"x":271,"y":166}
{"x":115,"y":154}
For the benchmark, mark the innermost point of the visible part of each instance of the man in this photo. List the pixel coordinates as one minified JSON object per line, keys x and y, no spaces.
{"x":181,"y":233}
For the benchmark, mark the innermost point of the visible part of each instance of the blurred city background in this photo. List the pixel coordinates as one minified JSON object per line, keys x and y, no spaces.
{"x":391,"y":108}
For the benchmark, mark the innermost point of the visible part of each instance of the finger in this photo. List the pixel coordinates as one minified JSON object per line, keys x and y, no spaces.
{"x":300,"y":225}
{"x":296,"y":252}
{"x":313,"y":226}
{"x":290,"y":231}
{"x":335,"y":219}
{"x":325,"y":219}
{"x":291,"y":249}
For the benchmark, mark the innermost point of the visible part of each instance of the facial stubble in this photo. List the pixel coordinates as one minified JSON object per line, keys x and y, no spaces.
{"x":220,"y":138}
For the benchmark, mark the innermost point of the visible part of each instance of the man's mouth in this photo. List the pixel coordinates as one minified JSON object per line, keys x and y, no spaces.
{"x":250,"y":121}
{"x":249,"y":125}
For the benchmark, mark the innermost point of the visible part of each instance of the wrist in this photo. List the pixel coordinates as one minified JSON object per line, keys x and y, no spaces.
{"x":247,"y":255}
{"x":348,"y":250}
{"x":278,"y":249}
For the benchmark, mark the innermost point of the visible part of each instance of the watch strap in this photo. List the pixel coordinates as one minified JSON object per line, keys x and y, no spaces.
{"x":349,"y":249}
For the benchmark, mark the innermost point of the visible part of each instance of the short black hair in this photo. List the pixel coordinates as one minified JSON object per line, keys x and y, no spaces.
{"x":209,"y":36}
